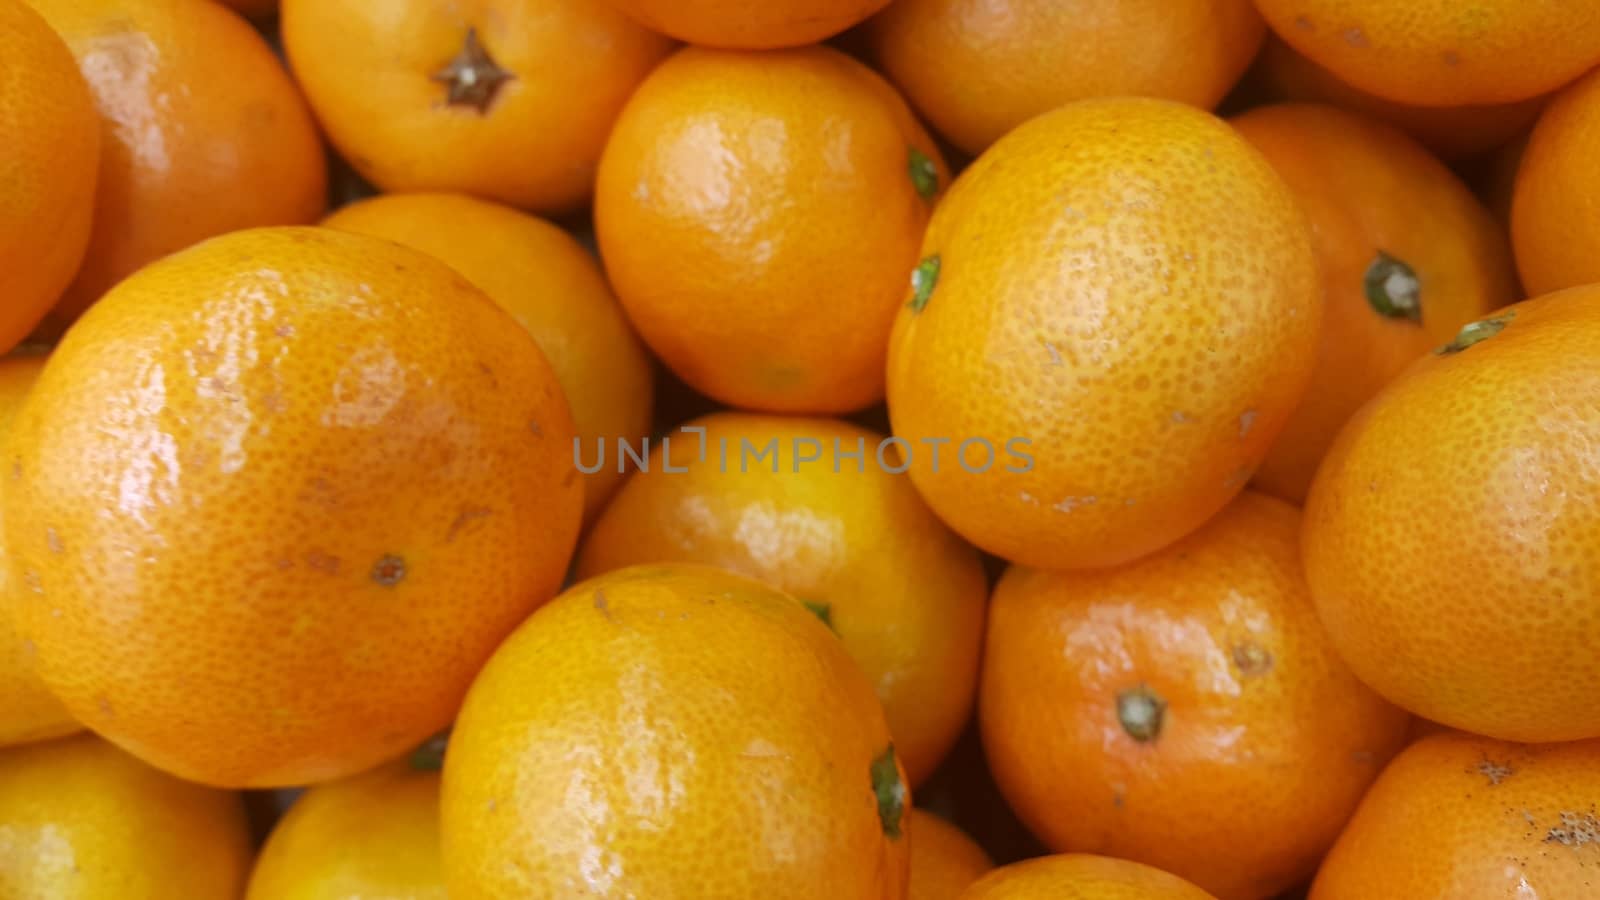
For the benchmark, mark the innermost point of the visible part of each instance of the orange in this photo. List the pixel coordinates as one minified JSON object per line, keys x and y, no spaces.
{"x":80,"y":819}
{"x":1454,"y":132}
{"x":755,"y":26}
{"x":1452,"y":537}
{"x":1116,"y":310}
{"x":1555,"y":214}
{"x":758,"y":215}
{"x":673,"y":732}
{"x":1408,"y":255}
{"x":51,"y":135}
{"x":944,"y":861}
{"x":553,"y":288}
{"x":276,"y":499}
{"x":509,"y":100}
{"x":1457,"y":816}
{"x":1185,"y":711}
{"x":978,"y":69}
{"x":373,"y":835}
{"x":204,"y":134}
{"x":1081,"y":877}
{"x":28,"y":711}
{"x":853,"y":540}
{"x":1443,"y":52}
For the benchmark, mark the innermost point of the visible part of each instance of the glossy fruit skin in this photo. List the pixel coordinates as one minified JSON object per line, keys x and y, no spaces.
{"x":1368,"y":189}
{"x":1076,"y":876}
{"x":1454,"y":132}
{"x":904,"y":594}
{"x":1459,"y":817}
{"x":551,"y":285}
{"x":1127,"y":286}
{"x":270,"y":535}
{"x":944,"y":861}
{"x":1266,"y":742}
{"x":83,"y":820}
{"x":1478,"y":468}
{"x":977,"y":69}
{"x":738,"y":25}
{"x":1553,"y":222}
{"x":51,"y":135}
{"x":672,"y":732}
{"x":1440,"y":52}
{"x":369,"y":70}
{"x":372,"y":835}
{"x":28,"y":711}
{"x":204,"y":133}
{"x":726,"y":241}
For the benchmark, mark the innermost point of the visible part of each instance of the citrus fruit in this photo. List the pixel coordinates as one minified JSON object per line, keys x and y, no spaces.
{"x":673,"y":732}
{"x":372,"y":835}
{"x":754,"y":26}
{"x":758,"y":215}
{"x":28,"y":711}
{"x":51,"y":132}
{"x":1457,"y":817}
{"x":81,"y":819}
{"x":1115,"y":311}
{"x":1554,"y":218}
{"x":944,"y":861}
{"x":1081,"y":877}
{"x":553,"y":288}
{"x":1441,"y":52}
{"x":204,"y":134}
{"x":509,"y":100}
{"x":977,"y":69}
{"x":845,"y":535}
{"x":1185,"y":711}
{"x":276,"y":499}
{"x":1452,"y":537}
{"x":1408,"y":256}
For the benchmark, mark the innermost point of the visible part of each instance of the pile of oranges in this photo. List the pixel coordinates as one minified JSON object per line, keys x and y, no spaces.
{"x":813,"y":449}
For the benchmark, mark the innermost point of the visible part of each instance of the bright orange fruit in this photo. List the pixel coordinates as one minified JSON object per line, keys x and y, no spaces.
{"x":978,"y":69}
{"x":1458,"y":817}
{"x":510,"y":100}
{"x":673,"y":732}
{"x":754,"y":26}
{"x":1554,"y":220}
{"x":758,"y":215}
{"x":1081,"y":877}
{"x":1408,"y":256}
{"x":276,"y":499}
{"x":1116,"y":310}
{"x":944,"y":861}
{"x":1452,"y":537}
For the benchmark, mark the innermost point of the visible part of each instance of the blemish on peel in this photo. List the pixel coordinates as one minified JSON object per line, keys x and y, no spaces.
{"x":1576,"y":830}
{"x":1055,"y":355}
{"x":1068,"y":504}
{"x":1495,"y":772}
{"x":389,"y":570}
{"x":1247,"y":421}
{"x":1355,"y":37}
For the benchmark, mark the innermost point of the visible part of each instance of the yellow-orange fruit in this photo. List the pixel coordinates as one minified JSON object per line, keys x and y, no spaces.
{"x":944,"y":861}
{"x":1081,"y":877}
{"x":739,"y":24}
{"x":1555,"y":216}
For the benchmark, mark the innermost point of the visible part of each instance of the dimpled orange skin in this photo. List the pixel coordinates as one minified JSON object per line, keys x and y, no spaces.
{"x":1452,"y":537}
{"x":673,"y":732}
{"x":1266,"y":742}
{"x":279,"y":496}
{"x":1443,"y":52}
{"x":944,"y":861}
{"x":1555,"y":211}
{"x":51,"y":133}
{"x":373,"y":835}
{"x":553,"y":288}
{"x":977,"y":69}
{"x":1128,"y":292}
{"x":1459,"y":817}
{"x":371,"y":72}
{"x":901,"y":590}
{"x":1369,"y":189}
{"x":721,"y":211}
{"x":737,"y":24}
{"x":204,"y":133}
{"x":1076,"y":876}
{"x":81,"y":819}
{"x":28,"y":711}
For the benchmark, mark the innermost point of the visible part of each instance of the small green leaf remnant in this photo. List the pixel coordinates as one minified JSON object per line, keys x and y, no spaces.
{"x":1476,"y":332}
{"x":923,"y":280}
{"x":1141,"y":711}
{"x":1393,"y":289}
{"x":823,"y":611}
{"x":891,"y":793}
{"x":924,"y":174}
